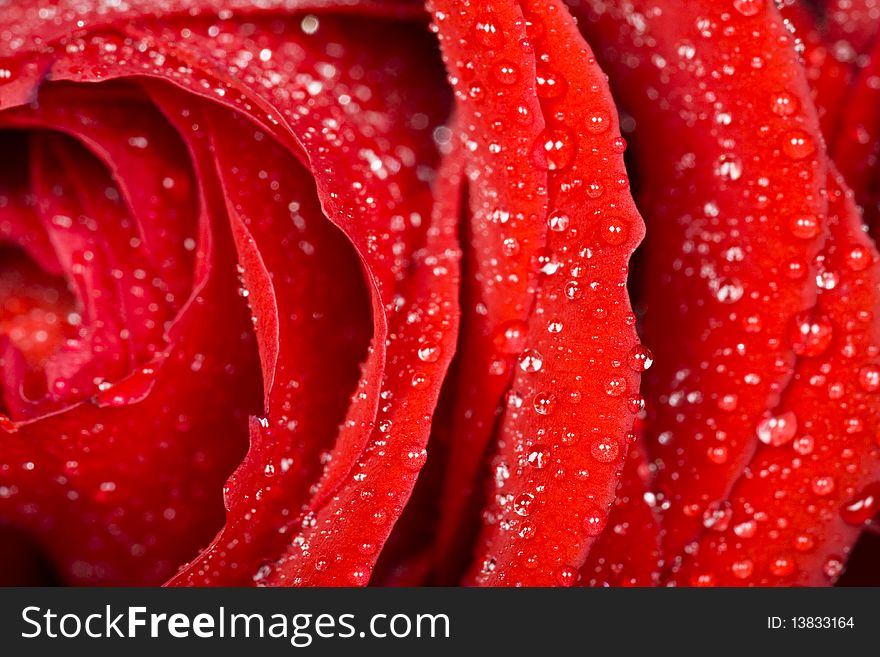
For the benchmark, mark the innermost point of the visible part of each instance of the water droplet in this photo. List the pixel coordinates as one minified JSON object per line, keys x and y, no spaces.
{"x":833,"y":567}
{"x":811,"y":336}
{"x":531,"y":361}
{"x":558,"y":148}
{"x":729,"y":167}
{"x":510,"y":338}
{"x":566,"y":576}
{"x":742,"y":569}
{"x":605,"y":449}
{"x":748,"y":7}
{"x":795,"y":269}
{"x":784,"y":103}
{"x":728,"y":290}
{"x":550,"y":84}
{"x":527,"y":530}
{"x":8,"y":71}
{"x":522,"y":504}
{"x":367,"y":548}
{"x":717,"y":516}
{"x":728,"y":402}
{"x":805,"y":226}
{"x":717,"y":454}
{"x":777,"y":430}
{"x":615,"y":231}
{"x":510,"y":246}
{"x":598,"y":122}
{"x":803,"y":543}
{"x":414,"y":458}
{"x":558,"y":221}
{"x":640,"y":358}
{"x":858,"y":258}
{"x":803,"y":445}
{"x":782,"y":565}
{"x":595,"y":189}
{"x":703,"y":580}
{"x":263,"y":571}
{"x":822,"y":485}
{"x":636,"y":404}
{"x":545,"y":403}
{"x":862,"y":508}
{"x":869,"y":378}
{"x":359,"y":575}
{"x":539,"y":456}
{"x":615,"y":386}
{"x":746,"y":529}
{"x":486,"y":31}
{"x":594,"y":521}
{"x":429,"y":352}
{"x":798,"y":145}
{"x":506,"y":72}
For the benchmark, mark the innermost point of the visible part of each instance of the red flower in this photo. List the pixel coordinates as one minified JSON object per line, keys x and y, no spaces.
{"x":307,"y":293}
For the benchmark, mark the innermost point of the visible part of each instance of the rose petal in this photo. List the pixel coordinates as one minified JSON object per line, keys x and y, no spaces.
{"x":629,"y":551}
{"x":499,"y":121}
{"x":538,"y":516}
{"x":856,"y":148}
{"x":121,"y":493}
{"x":732,"y":177}
{"x":794,"y":515}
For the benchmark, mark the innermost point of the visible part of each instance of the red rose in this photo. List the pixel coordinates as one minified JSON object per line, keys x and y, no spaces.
{"x":307,"y":293}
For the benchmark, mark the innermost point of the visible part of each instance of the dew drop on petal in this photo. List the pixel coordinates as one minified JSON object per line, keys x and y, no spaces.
{"x":811,"y":336}
{"x":605,"y":449}
{"x":530,"y":361}
{"x":729,"y":167}
{"x":522,"y":504}
{"x":833,"y":567}
{"x":414,"y":458}
{"x":614,"y":231}
{"x":728,"y":290}
{"x":538,"y":457}
{"x":863,"y":507}
{"x":594,"y":521}
{"x":777,"y":430}
{"x":550,"y":84}
{"x":506,"y":72}
{"x":566,"y":576}
{"x":486,"y":31}
{"x":742,"y":569}
{"x":804,"y":227}
{"x":359,"y":575}
{"x":558,"y":221}
{"x":615,"y":386}
{"x":640,"y":358}
{"x":510,"y":337}
{"x":598,"y":122}
{"x":822,"y":485}
{"x":784,"y":103}
{"x":558,"y":148}
{"x":544,"y":403}
{"x":748,"y":7}
{"x":429,"y":352}
{"x":798,"y":145}
{"x":869,"y":378}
